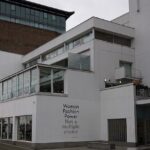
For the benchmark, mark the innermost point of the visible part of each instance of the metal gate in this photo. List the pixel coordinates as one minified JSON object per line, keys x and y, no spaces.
{"x":117,"y":130}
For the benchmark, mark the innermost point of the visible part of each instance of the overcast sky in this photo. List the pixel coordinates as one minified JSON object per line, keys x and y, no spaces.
{"x":84,"y":9}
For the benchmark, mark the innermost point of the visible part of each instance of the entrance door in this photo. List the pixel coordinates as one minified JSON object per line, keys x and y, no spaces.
{"x":143,"y":132}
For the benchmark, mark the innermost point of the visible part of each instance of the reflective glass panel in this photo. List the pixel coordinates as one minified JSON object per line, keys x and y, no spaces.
{"x":45,"y":80}
{"x":4,"y":128}
{"x":58,"y":81}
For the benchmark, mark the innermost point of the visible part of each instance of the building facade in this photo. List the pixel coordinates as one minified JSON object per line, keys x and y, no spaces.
{"x":22,"y":19}
{"x":88,"y":84}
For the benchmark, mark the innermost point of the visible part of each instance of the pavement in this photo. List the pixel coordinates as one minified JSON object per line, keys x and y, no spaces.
{"x":13,"y":147}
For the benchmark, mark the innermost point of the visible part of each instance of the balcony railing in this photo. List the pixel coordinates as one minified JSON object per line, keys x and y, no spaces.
{"x":142,"y":92}
{"x":39,"y":78}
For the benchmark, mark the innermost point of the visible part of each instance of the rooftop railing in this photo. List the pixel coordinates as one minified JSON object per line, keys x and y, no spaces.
{"x":39,"y":78}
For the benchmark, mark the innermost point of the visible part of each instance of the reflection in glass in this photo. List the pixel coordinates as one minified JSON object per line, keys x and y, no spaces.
{"x":27,"y":82}
{"x":14,"y":87}
{"x":20,"y":84}
{"x":45,"y":80}
{"x":9,"y":89}
{"x":5,"y":90}
{"x":25,"y":128}
{"x":28,"y":128}
{"x":58,"y":81}
{"x":34,"y":80}
{"x":4,"y":128}
{"x":21,"y":128}
{"x":10,"y":127}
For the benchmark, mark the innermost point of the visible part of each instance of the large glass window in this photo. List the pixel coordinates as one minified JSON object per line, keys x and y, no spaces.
{"x":45,"y":80}
{"x":14,"y":87}
{"x":20,"y":84}
{"x":27,"y":82}
{"x":79,"y":61}
{"x":58,"y":81}
{"x":5,"y":90}
{"x":1,"y":92}
{"x":31,"y":17}
{"x":51,"y":80}
{"x":10,"y":127}
{"x":4,"y":128}
{"x":9,"y":89}
{"x":25,"y":128}
{"x":34,"y":80}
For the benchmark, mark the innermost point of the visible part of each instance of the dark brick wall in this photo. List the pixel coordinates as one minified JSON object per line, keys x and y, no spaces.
{"x":22,"y":39}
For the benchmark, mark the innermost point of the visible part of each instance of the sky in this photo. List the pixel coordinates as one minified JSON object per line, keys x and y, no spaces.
{"x":85,"y":9}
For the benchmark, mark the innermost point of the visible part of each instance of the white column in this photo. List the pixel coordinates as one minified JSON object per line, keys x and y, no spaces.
{"x":14,"y":136}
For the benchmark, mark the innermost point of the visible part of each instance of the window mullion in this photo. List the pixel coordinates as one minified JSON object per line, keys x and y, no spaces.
{"x":52,"y":77}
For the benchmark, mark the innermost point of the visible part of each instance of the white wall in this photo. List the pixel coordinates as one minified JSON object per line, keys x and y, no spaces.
{"x":50,"y":117}
{"x":117,"y":103}
{"x":141,"y":22}
{"x":107,"y":57}
{"x":50,"y":120}
{"x":20,"y":107}
{"x":10,"y":63}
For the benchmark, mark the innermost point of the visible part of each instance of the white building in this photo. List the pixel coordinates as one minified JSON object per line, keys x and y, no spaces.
{"x":85,"y":85}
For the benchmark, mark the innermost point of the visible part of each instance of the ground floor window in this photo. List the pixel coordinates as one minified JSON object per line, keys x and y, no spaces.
{"x":6,"y":128}
{"x":117,"y":130}
{"x":25,"y":128}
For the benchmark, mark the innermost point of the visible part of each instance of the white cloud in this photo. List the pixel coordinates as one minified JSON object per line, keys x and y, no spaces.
{"x":84,"y":9}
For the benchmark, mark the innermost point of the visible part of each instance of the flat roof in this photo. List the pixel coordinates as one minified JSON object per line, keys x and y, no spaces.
{"x":40,"y":7}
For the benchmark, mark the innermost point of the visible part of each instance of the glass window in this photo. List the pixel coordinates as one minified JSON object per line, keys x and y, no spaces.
{"x":45,"y":15}
{"x":45,"y":80}
{"x":9,"y":89}
{"x":27,"y":82}
{"x":3,"y":8}
{"x":60,"y":51}
{"x":1,"y":92}
{"x":79,"y":61}
{"x":41,"y":17}
{"x":128,"y":68}
{"x":87,"y":38}
{"x":34,"y":80}
{"x":58,"y":81}
{"x":76,"y":43}
{"x":23,"y":12}
{"x":14,"y":87}
{"x":4,"y":128}
{"x":21,"y":128}
{"x":25,"y":128}
{"x":13,"y":7}
{"x":8,"y":9}
{"x":20,"y":84}
{"x":10,"y":127}
{"x":5,"y":90}
{"x":18,"y":11}
{"x":28,"y":128}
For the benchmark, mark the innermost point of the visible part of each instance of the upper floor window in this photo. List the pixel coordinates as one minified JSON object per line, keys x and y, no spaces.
{"x":128,"y":68}
{"x":110,"y":37}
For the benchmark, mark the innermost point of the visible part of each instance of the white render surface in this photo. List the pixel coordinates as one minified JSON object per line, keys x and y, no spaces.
{"x":9,"y":63}
{"x":140,"y":21}
{"x":118,"y":103}
{"x":106,"y":60}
